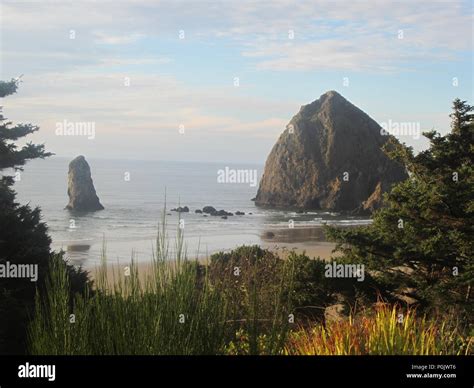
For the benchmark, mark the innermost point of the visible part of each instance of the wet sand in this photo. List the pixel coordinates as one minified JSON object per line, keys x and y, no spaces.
{"x":311,"y":241}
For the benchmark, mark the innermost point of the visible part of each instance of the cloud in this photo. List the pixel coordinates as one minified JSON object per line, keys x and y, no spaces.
{"x":120,"y":61}
{"x":105,"y":38}
{"x":143,"y":120}
{"x":361,"y":36}
{"x":321,"y":28}
{"x":151,"y":104}
{"x":83,"y":78}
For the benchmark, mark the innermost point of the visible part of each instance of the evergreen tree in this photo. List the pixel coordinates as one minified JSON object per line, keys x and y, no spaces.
{"x":421,"y":242}
{"x":461,"y":115}
{"x":23,"y":237}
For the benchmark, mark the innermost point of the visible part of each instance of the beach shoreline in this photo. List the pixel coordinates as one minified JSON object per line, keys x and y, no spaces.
{"x":313,"y":249}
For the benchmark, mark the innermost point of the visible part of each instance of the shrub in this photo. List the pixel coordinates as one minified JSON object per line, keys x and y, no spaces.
{"x":384,"y":331}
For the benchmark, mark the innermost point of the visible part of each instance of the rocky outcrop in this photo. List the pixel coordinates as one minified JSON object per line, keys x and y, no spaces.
{"x":209,"y":209}
{"x":374,"y":201}
{"x":214,"y":212}
{"x":81,"y":191}
{"x":180,"y":209}
{"x":329,"y":157}
{"x":221,"y":213}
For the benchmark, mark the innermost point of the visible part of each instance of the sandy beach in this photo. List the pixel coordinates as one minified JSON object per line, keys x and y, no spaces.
{"x":310,"y":240}
{"x":282,"y":242}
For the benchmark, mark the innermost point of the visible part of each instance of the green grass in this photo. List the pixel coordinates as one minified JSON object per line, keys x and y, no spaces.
{"x":387,"y":330}
{"x":183,"y":308}
{"x":175,"y":310}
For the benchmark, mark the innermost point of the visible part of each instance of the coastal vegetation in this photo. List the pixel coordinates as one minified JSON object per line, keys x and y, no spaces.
{"x":24,"y":238}
{"x":414,"y":296}
{"x":421,"y":243}
{"x":241,"y":304}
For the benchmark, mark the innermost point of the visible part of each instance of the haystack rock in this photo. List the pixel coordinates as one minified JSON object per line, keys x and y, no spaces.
{"x":329,"y":157}
{"x":81,"y":191}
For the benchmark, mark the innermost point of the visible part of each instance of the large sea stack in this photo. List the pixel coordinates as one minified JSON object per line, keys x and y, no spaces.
{"x":80,"y":189}
{"x":329,"y":157}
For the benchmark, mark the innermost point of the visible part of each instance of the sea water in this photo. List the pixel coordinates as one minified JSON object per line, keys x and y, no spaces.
{"x":134,"y":194}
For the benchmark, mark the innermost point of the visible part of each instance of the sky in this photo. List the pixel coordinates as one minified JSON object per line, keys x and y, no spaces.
{"x":219,"y":81}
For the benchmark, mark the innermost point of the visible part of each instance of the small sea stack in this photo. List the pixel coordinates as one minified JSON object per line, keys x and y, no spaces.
{"x":80,"y":189}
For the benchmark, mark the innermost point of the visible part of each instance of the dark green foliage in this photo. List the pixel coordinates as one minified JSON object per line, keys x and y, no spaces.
{"x":10,"y":155}
{"x":264,"y":276}
{"x":243,"y":270}
{"x":23,"y":241}
{"x":163,"y":314}
{"x":313,"y":291}
{"x":8,"y":87}
{"x":311,"y":286}
{"x":23,"y":237}
{"x":425,"y":231}
{"x":254,"y":282}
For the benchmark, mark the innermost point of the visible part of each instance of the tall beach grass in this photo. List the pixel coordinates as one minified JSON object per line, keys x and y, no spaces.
{"x":174,"y":310}
{"x":181,"y":307}
{"x":386,"y":330}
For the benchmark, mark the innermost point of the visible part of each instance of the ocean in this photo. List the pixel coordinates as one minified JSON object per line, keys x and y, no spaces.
{"x":134,"y":194}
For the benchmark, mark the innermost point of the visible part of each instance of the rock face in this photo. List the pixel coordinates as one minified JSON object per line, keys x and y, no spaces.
{"x":180,"y":209}
{"x":329,"y":157}
{"x":81,"y":191}
{"x":209,"y":209}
